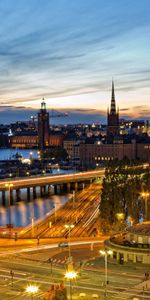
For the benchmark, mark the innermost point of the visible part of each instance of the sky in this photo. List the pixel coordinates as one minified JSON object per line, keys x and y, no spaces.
{"x":68,"y":51}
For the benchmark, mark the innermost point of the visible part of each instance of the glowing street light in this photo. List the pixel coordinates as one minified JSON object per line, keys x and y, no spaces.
{"x":31,"y":153}
{"x":120,"y":216}
{"x":105,"y":253}
{"x":32,"y":290}
{"x":145,"y":196}
{"x":9,"y":186}
{"x":71,"y":275}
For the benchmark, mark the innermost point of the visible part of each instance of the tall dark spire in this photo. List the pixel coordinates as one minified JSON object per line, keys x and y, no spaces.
{"x":113,"y":116}
{"x":43,"y":126}
{"x":113,"y":103}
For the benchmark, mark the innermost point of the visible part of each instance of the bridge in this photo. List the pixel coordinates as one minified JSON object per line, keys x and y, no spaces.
{"x":63,"y":182}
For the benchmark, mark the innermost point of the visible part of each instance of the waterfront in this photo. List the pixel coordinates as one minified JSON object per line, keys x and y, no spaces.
{"x":23,"y":212}
{"x":7,"y":154}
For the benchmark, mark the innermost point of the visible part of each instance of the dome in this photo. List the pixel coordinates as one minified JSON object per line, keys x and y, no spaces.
{"x":140,"y":228}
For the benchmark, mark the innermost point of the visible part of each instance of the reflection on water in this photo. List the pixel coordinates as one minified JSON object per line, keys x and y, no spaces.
{"x":8,"y":153}
{"x":23,"y":212}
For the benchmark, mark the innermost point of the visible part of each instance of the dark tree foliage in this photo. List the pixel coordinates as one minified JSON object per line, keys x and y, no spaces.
{"x":58,"y":153}
{"x":122,"y":186}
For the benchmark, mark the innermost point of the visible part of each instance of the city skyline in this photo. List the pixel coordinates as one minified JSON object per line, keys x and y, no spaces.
{"x":68,"y":52}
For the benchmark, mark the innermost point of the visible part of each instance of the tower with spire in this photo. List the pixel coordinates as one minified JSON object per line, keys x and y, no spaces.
{"x":43,"y":127}
{"x":113,"y":116}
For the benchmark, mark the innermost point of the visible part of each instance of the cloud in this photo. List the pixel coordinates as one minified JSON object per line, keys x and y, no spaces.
{"x":63,"y":48}
{"x":123,"y":109}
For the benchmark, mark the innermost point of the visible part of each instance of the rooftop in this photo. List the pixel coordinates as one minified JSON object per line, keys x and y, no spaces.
{"x":140,"y":228}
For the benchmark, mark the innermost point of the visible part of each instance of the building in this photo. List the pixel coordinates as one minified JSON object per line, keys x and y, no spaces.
{"x":56,"y":138}
{"x":72,"y":147}
{"x":113,"y":116}
{"x":27,"y":138}
{"x":132,"y":245}
{"x":99,"y":153}
{"x":43,"y":127}
{"x":24,"y":140}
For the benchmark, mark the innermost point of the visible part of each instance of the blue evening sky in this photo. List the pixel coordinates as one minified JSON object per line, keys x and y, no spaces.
{"x":68,"y":51}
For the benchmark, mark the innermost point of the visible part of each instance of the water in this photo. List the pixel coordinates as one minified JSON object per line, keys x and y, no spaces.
{"x":22,"y":213}
{"x":8,"y":153}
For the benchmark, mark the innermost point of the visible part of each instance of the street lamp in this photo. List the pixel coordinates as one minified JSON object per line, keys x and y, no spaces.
{"x":32,"y":290}
{"x":69,"y":227}
{"x":31,"y":153}
{"x":145,"y":196}
{"x":71,"y":275}
{"x":55,"y":215}
{"x":32,"y":220}
{"x":73,"y":198}
{"x":105,"y":253}
{"x":120,"y":218}
{"x":9,"y":186}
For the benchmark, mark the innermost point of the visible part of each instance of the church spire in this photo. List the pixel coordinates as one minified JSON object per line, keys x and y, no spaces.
{"x":43,"y":104}
{"x":113,"y":103}
{"x":113,"y":116}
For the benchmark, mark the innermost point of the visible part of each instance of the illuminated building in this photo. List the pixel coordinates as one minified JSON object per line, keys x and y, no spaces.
{"x":23,"y":140}
{"x":133,"y":245}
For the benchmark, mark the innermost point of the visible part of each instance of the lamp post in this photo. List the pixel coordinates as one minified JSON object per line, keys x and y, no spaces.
{"x":69,"y":227}
{"x":55,"y":216}
{"x":9,"y":186}
{"x":145,"y":196}
{"x":105,"y":253}
{"x":120,"y":218}
{"x":32,"y":219}
{"x":73,"y":198}
{"x":31,"y":153}
{"x":32,"y":290}
{"x":70,"y":275}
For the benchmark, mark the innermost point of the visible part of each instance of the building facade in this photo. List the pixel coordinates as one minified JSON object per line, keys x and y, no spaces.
{"x":24,"y":140}
{"x":94,"y":155}
{"x":131,"y":246}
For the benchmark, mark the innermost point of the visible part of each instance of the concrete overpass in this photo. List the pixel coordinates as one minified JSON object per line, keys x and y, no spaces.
{"x":64,"y":181}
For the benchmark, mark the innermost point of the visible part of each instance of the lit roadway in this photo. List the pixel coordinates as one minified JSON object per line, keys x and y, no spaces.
{"x":52,"y":179}
{"x":82,"y":210}
{"x":124,"y":282}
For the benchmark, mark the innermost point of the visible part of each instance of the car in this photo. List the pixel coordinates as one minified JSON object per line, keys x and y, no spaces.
{"x":63,"y":244}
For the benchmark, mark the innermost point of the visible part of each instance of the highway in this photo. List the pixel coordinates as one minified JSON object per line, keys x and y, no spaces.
{"x":51,"y":179}
{"x":82,"y":211}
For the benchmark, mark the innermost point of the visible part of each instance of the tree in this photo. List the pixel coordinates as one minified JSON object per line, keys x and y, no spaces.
{"x":120,"y":193}
{"x":55,"y":153}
